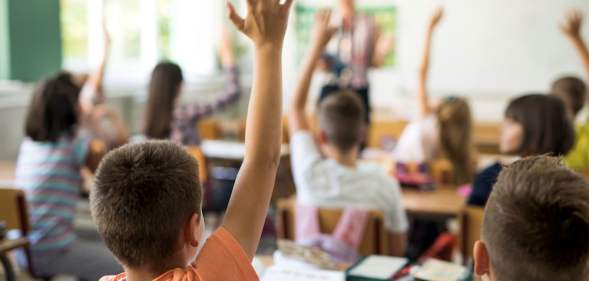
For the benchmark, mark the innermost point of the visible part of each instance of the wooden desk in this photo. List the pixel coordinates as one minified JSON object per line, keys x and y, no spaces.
{"x":229,"y":150}
{"x":11,"y":244}
{"x":7,"y":173}
{"x":230,"y":154}
{"x":443,"y":202}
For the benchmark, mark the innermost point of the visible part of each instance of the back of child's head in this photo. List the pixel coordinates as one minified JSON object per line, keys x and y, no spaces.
{"x":572,"y":91}
{"x":164,"y":88}
{"x":548,"y":129}
{"x":341,"y":119}
{"x":455,"y":124}
{"x":536,"y":223}
{"x":143,"y":196}
{"x":53,"y":110}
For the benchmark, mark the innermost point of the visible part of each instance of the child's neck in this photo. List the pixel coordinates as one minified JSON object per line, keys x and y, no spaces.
{"x":148,"y":273}
{"x":348,"y":159}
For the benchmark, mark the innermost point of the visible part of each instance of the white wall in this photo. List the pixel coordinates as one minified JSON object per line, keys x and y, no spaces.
{"x":489,"y":50}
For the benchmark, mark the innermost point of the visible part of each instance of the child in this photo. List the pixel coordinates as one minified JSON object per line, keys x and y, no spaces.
{"x":444,"y":130}
{"x":147,"y":197}
{"x":339,"y":179}
{"x":164,"y":119}
{"x":536,"y":225}
{"x":533,"y":125}
{"x":573,"y":91}
{"x":106,"y":124}
{"x":48,"y":169}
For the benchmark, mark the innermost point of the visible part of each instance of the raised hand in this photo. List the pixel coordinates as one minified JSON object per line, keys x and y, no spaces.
{"x":573,"y":24}
{"x":106,"y":34}
{"x":436,"y":17}
{"x":226,"y":48}
{"x":265,"y":22}
{"x":322,"y":30}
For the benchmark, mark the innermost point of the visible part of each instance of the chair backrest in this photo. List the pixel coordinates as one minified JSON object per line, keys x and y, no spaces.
{"x":471,"y":221}
{"x":375,"y":241}
{"x":203,"y":169}
{"x":209,"y":129}
{"x":13,"y":209}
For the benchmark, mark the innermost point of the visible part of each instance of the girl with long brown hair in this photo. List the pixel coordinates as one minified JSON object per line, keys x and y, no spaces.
{"x":444,"y":130}
{"x":165,"y":119}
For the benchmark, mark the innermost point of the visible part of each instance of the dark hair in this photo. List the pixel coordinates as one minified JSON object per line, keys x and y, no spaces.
{"x":341,"y":118}
{"x":573,"y":91}
{"x":536,"y":223}
{"x":455,"y":125}
{"x":53,"y":110}
{"x":548,"y":129}
{"x":142,"y":197}
{"x":166,"y":79}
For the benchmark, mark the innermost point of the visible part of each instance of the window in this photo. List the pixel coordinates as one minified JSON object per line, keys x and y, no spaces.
{"x":143,"y":32}
{"x":74,"y":19}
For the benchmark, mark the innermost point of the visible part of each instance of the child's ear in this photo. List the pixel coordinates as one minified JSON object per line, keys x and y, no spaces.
{"x":322,"y":137}
{"x":191,"y":230}
{"x":482,"y":262}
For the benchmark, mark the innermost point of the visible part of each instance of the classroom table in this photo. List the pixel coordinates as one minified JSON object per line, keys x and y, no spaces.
{"x":230,"y":154}
{"x":443,"y":202}
{"x":220,"y":150}
{"x":6,"y":246}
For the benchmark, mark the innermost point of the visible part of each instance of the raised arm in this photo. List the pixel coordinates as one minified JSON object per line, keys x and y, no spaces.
{"x":265,"y":24}
{"x":322,"y":33}
{"x":422,"y":95}
{"x":572,"y":29}
{"x":92,"y":92}
{"x":192,"y":113}
{"x":383,"y":44}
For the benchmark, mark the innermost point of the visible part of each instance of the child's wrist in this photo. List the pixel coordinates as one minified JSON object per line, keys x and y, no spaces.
{"x":269,"y":48}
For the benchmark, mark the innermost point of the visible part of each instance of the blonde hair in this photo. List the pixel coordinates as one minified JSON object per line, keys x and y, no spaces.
{"x":455,"y":124}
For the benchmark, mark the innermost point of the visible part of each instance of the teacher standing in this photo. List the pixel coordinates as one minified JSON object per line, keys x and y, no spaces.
{"x":358,"y":47}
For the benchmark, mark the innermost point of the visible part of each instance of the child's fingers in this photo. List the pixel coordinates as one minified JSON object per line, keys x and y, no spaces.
{"x":234,"y":17}
{"x":287,"y":4}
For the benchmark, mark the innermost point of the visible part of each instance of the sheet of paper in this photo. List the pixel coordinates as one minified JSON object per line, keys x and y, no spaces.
{"x":379,"y":267}
{"x":286,"y":274}
{"x":435,"y":270}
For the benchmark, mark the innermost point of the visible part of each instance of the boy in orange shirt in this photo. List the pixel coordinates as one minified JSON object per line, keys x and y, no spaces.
{"x":146,"y":200}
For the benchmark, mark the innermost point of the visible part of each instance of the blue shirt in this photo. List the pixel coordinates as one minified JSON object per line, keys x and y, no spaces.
{"x":483,"y":185}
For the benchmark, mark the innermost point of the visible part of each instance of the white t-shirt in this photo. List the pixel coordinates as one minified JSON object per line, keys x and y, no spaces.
{"x":419,"y":142}
{"x":325,"y":183}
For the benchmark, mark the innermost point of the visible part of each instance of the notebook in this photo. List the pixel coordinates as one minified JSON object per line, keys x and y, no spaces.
{"x":376,"y":268}
{"x":436,"y":270}
{"x":288,"y":274}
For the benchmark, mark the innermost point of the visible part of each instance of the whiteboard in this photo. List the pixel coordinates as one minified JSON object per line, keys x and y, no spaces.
{"x":488,"y":47}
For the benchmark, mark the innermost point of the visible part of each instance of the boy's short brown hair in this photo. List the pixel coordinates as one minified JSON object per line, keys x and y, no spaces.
{"x":573,"y":91}
{"x":536,"y":223}
{"x":142,"y":197}
{"x":341,"y":118}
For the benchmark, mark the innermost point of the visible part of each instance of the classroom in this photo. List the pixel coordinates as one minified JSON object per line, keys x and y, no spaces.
{"x":277,"y":140}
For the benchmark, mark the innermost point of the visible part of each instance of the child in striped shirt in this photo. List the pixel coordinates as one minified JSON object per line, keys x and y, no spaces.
{"x":48,"y":169}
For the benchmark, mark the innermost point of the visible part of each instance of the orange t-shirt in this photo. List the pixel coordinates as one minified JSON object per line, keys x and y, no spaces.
{"x":221,"y":258}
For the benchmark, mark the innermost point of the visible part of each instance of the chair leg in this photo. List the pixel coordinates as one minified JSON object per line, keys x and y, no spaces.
{"x":8,"y":269}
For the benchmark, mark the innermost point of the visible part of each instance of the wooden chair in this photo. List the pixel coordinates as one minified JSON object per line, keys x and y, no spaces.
{"x":13,"y":210}
{"x":375,"y":241}
{"x":203,"y":170}
{"x":209,"y":129}
{"x":471,"y":220}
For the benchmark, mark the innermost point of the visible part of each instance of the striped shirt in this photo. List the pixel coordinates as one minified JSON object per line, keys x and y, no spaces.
{"x":50,"y":175}
{"x":186,"y":117}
